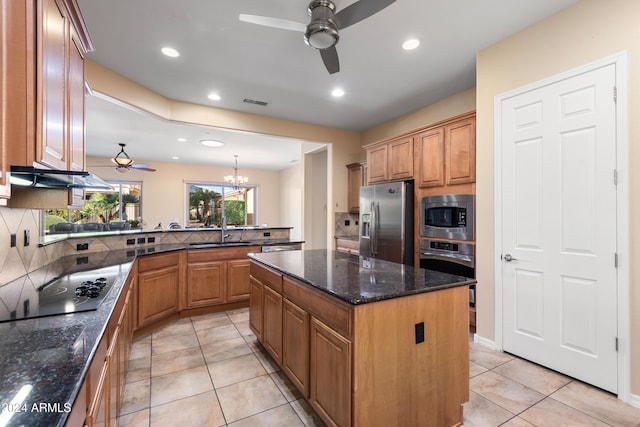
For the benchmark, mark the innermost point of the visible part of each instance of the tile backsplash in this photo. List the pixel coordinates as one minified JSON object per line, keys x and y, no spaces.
{"x":346,"y":224}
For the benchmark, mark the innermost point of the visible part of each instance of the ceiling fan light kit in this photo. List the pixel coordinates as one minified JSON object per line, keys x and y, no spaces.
{"x":122,"y":159}
{"x":322,"y":32}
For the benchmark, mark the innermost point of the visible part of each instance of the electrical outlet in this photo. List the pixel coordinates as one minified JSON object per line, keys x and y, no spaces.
{"x":141,"y":240}
{"x":419,"y":332}
{"x":27,"y":237}
{"x":131,"y":241}
{"x":82,"y":246}
{"x":13,"y":240}
{"x":151,"y":239}
{"x":347,"y":223}
{"x":267,"y":234}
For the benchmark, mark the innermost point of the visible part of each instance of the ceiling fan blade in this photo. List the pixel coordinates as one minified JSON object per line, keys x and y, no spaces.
{"x":141,"y":167}
{"x":283,"y":24}
{"x":358,"y":11}
{"x":330,"y":59}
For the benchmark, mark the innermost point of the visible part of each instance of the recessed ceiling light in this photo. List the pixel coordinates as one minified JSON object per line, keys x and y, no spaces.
{"x":410,"y":44}
{"x":211,"y":143}
{"x":182,"y":139}
{"x":214,"y":97}
{"x":170,"y":52}
{"x":337,"y":92}
{"x":175,"y":158}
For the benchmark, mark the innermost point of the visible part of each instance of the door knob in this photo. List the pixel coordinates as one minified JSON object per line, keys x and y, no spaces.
{"x":509,"y":258}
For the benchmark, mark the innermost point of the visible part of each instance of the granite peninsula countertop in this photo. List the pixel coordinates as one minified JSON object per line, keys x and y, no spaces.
{"x":47,"y":358}
{"x":357,"y":280}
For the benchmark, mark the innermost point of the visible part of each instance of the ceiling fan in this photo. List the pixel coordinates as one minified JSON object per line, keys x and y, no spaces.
{"x":322,"y":32}
{"x":124,"y":163}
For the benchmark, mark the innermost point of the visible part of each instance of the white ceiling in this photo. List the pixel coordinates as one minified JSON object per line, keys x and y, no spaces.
{"x":239,"y":60}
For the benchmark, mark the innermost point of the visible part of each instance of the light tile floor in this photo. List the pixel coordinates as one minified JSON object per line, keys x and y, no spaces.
{"x":210,"y":371}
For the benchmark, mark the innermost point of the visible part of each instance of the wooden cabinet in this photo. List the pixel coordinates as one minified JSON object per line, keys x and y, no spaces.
{"x":205,"y":283}
{"x":348,"y":246}
{"x":390,"y":161}
{"x":460,"y":152}
{"x":43,"y":83}
{"x":272,"y":323}
{"x":356,"y":175}
{"x":295,"y":345}
{"x":431,"y":157}
{"x":447,"y":154}
{"x":98,"y":415}
{"x":238,"y":280}
{"x":256,"y":304}
{"x":157,"y":287}
{"x":330,"y":379}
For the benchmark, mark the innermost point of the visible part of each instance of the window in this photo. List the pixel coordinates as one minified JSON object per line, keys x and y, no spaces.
{"x":209,"y":202}
{"x":123,"y":204}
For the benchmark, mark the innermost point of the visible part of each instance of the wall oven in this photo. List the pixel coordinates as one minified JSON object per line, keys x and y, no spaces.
{"x":449,"y":216}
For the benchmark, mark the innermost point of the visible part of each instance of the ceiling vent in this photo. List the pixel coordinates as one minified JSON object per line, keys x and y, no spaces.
{"x":253,"y":101}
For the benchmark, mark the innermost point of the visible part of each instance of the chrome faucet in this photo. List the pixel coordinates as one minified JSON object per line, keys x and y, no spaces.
{"x":223,"y":229}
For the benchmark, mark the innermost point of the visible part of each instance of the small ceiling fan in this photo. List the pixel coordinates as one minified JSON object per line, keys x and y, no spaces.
{"x":124,"y":163}
{"x":322,"y":32}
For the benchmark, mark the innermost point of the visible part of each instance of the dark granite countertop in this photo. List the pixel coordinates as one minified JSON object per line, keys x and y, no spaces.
{"x":47,"y":358}
{"x":357,"y":280}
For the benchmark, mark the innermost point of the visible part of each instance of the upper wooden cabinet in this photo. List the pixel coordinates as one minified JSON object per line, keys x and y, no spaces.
{"x":356,"y":174}
{"x":446,"y":154}
{"x":46,"y":73}
{"x":390,"y":160}
{"x":460,"y":152}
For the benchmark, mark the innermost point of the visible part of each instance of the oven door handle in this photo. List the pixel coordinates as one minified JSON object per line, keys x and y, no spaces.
{"x":458,"y":259}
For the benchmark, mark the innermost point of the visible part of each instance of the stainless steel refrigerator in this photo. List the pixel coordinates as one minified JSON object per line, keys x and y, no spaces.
{"x":386,"y":221}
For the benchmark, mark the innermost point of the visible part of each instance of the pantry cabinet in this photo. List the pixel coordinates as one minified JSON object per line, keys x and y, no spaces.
{"x":356,"y":176}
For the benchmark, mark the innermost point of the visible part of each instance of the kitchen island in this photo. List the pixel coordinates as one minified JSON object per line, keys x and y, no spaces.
{"x":367,"y":342}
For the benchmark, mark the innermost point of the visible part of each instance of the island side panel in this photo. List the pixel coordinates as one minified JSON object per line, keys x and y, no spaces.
{"x":399,"y":382}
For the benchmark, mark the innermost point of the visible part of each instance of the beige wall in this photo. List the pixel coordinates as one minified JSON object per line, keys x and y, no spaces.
{"x":588,"y":31}
{"x":163,"y":191}
{"x":452,"y":106}
{"x":291,"y":199}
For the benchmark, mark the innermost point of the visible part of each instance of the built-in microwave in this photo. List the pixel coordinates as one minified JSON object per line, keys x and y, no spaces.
{"x":449,"y":216}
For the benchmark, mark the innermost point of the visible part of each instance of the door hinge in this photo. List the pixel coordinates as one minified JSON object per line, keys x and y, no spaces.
{"x":615,"y":177}
{"x":615,"y":259}
{"x":616,"y":343}
{"x":615,"y":94}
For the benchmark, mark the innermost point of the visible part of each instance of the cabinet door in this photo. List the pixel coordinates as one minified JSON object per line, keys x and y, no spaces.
{"x":157,"y":295}
{"x":76,"y":116}
{"x":205,"y":283}
{"x":52,"y":95}
{"x":401,"y":159}
{"x":272,"y":323}
{"x":238,"y":280}
{"x":460,"y":152}
{"x":431,"y":158}
{"x":330,"y":376}
{"x":295,"y":345}
{"x":256,"y":305}
{"x":114,"y":359}
{"x":98,"y":415}
{"x":354,"y":182}
{"x":377,"y":164}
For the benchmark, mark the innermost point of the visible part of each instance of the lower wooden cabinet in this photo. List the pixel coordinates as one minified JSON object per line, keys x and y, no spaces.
{"x":272,"y":323}
{"x":99,"y":411}
{"x":205,"y":283}
{"x":255,"y":306}
{"x":157,"y":294}
{"x":295,"y":345}
{"x":330,"y":379}
{"x":238,"y":280}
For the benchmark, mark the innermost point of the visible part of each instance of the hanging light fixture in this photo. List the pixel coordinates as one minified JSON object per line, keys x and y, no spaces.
{"x":236,"y":180}
{"x":122,"y":158}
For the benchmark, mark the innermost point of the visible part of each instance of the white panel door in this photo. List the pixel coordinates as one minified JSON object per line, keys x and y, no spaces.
{"x":559,"y":281}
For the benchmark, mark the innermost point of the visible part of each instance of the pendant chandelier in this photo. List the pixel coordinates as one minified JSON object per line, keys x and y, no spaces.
{"x":236,"y":180}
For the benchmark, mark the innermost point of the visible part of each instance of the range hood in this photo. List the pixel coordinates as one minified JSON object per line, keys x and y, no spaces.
{"x":28,"y":176}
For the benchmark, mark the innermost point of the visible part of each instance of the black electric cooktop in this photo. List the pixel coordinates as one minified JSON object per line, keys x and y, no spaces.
{"x":70,"y":293}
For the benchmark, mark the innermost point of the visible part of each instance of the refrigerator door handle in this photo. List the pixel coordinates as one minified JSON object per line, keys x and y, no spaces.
{"x":375,"y":212}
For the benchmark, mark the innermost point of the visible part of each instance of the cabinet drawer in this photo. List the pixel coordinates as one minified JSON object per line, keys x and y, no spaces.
{"x":333,"y":312}
{"x":269,"y":277}
{"x":155,"y":262}
{"x":202,"y":255}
